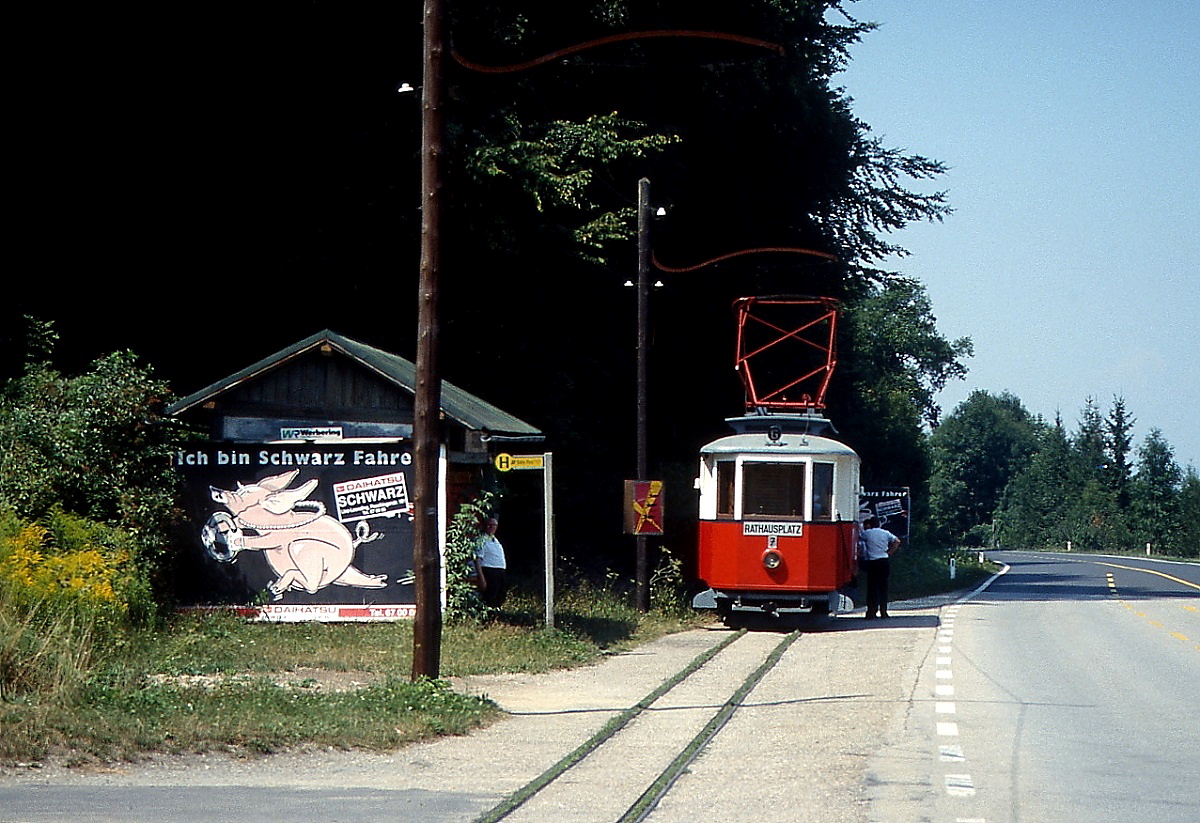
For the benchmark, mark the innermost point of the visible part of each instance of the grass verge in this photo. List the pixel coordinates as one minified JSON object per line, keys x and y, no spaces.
{"x":921,"y":574}
{"x":218,"y":683}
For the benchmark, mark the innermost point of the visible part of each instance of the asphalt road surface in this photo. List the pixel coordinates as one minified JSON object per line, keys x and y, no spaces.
{"x":1063,"y":691}
{"x":1068,"y":690}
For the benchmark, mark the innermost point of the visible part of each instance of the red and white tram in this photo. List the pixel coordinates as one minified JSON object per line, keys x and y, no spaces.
{"x":778,"y":517}
{"x":779,"y":498}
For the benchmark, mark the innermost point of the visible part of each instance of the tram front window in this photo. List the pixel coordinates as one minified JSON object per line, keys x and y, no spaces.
{"x":773,"y":490}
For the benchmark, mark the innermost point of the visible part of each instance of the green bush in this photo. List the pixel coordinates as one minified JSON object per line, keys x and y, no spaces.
{"x":463,"y":601}
{"x":96,"y":445}
{"x":668,"y":589}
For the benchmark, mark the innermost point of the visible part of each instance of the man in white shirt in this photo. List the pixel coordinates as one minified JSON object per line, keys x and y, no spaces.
{"x":491,"y":565}
{"x":875,"y":547}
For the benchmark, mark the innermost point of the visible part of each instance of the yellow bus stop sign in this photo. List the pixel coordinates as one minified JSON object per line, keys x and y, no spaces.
{"x":518,"y":462}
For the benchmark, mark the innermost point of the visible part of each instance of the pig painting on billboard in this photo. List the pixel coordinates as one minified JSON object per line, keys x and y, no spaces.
{"x":328,"y":537}
{"x":307,"y":549}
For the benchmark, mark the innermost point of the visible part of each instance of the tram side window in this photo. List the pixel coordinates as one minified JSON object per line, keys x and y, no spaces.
{"x":822,"y":493}
{"x":726,"y":472}
{"x":773,"y":489}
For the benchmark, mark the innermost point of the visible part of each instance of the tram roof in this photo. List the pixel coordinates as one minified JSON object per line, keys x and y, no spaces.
{"x":788,"y":443}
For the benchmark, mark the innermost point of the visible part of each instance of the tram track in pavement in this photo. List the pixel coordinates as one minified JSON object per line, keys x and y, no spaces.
{"x":616,"y":742}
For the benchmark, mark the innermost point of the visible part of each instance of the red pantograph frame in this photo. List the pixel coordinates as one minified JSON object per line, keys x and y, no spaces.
{"x":815,"y":330}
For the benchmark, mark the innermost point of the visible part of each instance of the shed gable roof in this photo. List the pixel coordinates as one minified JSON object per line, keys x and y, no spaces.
{"x":459,"y":405}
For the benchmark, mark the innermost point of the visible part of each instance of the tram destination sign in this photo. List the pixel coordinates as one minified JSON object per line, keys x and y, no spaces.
{"x":757,"y":528}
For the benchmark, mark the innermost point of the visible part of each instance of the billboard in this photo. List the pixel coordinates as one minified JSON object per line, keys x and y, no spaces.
{"x":891,"y":506}
{"x":301,"y":531}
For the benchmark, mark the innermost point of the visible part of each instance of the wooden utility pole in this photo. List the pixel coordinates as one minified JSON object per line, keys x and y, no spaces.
{"x":643,"y":323}
{"x":427,"y":627}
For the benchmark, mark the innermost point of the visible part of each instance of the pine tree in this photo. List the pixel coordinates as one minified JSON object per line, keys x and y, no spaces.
{"x":1156,"y":496}
{"x":1118,"y":440}
{"x":1188,"y":541}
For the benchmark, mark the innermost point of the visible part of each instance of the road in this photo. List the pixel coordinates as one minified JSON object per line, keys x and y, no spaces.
{"x":1065,"y":690}
{"x":1068,"y":690}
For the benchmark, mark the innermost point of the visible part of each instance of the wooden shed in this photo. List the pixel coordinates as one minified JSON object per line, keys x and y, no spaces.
{"x":300,"y":496}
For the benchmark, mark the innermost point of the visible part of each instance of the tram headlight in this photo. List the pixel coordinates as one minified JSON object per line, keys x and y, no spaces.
{"x":772,"y":560}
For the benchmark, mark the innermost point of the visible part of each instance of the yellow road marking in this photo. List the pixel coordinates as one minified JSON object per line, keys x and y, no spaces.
{"x":1151,"y":571}
{"x":1155,"y":623}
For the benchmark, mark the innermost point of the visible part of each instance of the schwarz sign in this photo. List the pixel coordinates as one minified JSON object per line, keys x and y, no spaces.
{"x":313,"y":531}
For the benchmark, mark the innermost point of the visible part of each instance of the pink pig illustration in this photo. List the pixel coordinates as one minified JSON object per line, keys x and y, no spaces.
{"x":307,"y":549}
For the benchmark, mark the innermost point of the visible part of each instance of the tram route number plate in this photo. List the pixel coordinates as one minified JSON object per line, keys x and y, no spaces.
{"x":751,"y":528}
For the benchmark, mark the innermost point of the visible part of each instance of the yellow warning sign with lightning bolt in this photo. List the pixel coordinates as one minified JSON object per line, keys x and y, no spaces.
{"x":643,"y":507}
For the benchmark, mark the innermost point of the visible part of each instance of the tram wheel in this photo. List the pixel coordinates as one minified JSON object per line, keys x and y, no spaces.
{"x":735,"y":621}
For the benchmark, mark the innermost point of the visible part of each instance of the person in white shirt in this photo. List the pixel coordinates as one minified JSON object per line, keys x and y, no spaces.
{"x":490,"y":565}
{"x":875,"y":548}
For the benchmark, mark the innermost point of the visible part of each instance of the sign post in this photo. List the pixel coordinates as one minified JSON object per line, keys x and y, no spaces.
{"x":545,"y":463}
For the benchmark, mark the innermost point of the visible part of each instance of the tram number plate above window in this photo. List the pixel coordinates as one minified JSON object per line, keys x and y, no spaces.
{"x":752,"y":528}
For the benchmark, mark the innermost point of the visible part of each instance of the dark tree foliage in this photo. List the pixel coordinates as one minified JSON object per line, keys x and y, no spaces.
{"x":1090,"y":441}
{"x":253,"y":177}
{"x":747,"y":148}
{"x":884,"y":399}
{"x":1035,"y":512}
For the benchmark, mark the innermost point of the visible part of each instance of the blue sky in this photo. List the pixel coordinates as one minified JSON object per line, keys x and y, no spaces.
{"x":1072,"y":133}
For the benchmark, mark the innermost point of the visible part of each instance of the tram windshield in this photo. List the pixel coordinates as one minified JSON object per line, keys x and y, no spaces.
{"x":773,"y":489}
{"x":782,"y":489}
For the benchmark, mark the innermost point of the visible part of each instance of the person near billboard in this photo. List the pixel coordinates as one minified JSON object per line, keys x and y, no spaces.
{"x":876,"y":546}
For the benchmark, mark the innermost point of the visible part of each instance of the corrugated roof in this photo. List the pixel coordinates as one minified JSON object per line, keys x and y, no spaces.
{"x":459,"y":405}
